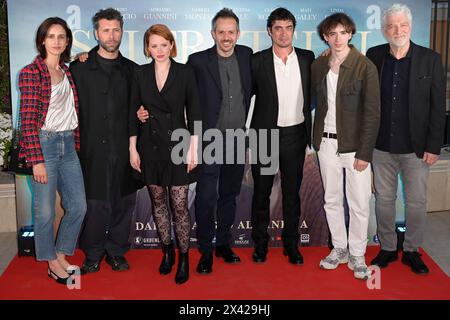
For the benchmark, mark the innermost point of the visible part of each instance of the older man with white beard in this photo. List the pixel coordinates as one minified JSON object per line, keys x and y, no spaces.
{"x":411,"y":133}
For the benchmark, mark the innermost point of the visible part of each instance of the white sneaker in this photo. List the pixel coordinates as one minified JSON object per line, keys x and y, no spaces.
{"x":336,"y":257}
{"x":359,"y":267}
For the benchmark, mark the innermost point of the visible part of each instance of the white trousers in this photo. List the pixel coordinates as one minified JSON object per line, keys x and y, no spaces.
{"x":333,"y":167}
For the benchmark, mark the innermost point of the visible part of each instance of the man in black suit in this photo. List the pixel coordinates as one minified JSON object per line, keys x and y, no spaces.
{"x":281,"y":82}
{"x":411,"y":133}
{"x":224,"y":82}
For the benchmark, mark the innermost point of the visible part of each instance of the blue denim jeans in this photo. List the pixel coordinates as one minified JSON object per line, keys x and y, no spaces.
{"x":65,"y":176}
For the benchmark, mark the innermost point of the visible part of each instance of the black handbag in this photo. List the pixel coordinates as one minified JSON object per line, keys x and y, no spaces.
{"x":16,"y":164}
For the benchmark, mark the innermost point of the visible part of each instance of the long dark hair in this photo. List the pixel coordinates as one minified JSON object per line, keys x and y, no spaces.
{"x":41,"y":34}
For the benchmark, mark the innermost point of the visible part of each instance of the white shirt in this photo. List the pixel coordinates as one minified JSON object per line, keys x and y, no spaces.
{"x":61,"y":114}
{"x":290,"y":90}
{"x":330,"y":118}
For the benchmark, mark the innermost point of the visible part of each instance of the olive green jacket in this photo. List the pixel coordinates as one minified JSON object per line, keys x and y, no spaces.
{"x":357,"y":104}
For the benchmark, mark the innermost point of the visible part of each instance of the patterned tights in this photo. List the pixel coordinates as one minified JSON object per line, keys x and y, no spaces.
{"x":178,"y":196}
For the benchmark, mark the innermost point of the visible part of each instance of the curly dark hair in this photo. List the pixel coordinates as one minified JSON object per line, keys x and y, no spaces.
{"x":332,"y":21}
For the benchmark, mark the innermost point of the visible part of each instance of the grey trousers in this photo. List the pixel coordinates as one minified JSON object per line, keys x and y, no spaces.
{"x":414,"y":173}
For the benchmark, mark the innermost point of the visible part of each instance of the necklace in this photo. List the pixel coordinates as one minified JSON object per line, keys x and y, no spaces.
{"x":56,"y":74}
{"x":335,"y":62}
{"x":162,"y":73}
{"x":161,"y":76}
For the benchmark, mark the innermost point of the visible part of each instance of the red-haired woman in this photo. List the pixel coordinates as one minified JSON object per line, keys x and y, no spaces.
{"x":168,"y":91}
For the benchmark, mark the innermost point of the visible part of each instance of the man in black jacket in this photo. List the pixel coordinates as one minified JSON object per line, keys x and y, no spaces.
{"x":411,"y":133}
{"x":224,"y":81}
{"x":103,"y":84}
{"x":281,"y":82}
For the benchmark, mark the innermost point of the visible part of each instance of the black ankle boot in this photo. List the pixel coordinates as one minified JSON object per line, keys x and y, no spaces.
{"x":183,"y":268}
{"x":168,"y":259}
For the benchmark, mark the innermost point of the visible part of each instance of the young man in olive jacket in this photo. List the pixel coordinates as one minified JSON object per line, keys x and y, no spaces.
{"x":345,"y":84}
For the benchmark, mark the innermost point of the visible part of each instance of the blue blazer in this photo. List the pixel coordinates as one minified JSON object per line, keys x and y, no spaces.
{"x":206,"y":66}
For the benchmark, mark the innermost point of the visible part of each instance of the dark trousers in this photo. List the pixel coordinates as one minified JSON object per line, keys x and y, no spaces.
{"x":106,"y":226}
{"x":217,"y":188}
{"x":292,"y":145}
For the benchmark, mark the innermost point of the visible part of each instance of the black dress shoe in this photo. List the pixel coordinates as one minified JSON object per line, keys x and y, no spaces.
{"x":57,"y":278}
{"x":90,"y":266}
{"x":118,"y":263}
{"x":168,"y":259}
{"x":413,"y":260}
{"x":384,"y":257}
{"x":205,"y":263}
{"x":260,"y":254}
{"x":182,"y":274}
{"x":294,"y":255}
{"x":227,"y":254}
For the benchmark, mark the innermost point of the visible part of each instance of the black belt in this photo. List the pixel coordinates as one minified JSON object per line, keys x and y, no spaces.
{"x":329,"y":135}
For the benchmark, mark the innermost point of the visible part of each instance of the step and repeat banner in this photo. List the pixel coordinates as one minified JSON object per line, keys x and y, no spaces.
{"x":190,"y":23}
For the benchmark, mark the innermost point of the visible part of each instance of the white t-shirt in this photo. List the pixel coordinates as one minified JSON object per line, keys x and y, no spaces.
{"x":330,"y":118}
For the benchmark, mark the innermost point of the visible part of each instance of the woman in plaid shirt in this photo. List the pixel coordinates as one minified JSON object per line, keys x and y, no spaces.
{"x":50,"y":138}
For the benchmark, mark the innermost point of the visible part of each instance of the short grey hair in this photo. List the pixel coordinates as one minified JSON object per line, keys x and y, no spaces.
{"x":396,"y":8}
{"x":224,"y":13}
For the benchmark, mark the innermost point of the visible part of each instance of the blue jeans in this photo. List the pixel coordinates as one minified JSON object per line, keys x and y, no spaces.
{"x":65,"y":176}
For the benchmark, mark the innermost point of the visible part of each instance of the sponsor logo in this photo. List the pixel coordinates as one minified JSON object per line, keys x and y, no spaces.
{"x":304,"y":238}
{"x":241,"y":240}
{"x":375,"y":239}
{"x":145,"y":241}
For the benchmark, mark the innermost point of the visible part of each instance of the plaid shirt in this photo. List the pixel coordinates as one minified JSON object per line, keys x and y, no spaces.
{"x":35,"y":92}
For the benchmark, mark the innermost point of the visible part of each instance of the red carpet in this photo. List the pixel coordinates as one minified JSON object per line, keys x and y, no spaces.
{"x":275,"y":279}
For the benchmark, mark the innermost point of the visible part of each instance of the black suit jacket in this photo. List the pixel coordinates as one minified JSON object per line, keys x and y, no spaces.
{"x":265,"y":114}
{"x":426,"y":96}
{"x":206,"y":66}
{"x":166,"y":108}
